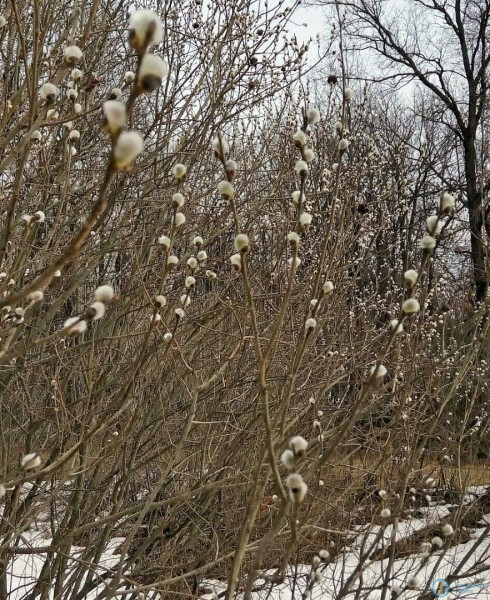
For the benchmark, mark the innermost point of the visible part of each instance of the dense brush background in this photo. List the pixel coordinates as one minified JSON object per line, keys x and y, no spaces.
{"x":167,"y":445}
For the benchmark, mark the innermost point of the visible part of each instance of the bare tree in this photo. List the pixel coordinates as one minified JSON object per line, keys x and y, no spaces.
{"x":215,"y":342}
{"x":444,"y":46}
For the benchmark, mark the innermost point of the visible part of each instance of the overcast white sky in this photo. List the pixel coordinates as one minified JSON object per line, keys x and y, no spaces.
{"x":314,"y":19}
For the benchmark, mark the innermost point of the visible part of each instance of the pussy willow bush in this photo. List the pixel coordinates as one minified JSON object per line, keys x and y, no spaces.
{"x":204,"y":312}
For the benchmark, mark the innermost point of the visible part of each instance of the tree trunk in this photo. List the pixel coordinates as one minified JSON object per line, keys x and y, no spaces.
{"x":476,"y":220}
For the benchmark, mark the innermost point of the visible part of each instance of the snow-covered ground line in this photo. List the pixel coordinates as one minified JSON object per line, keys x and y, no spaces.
{"x":336,"y":573}
{"x":23,"y":572}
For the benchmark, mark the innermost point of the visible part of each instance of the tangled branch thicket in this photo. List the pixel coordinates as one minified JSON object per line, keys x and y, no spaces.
{"x":237,"y":318}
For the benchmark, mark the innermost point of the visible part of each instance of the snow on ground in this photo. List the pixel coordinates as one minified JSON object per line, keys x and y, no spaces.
{"x":24,"y":570}
{"x":431,"y":575}
{"x":336,"y":574}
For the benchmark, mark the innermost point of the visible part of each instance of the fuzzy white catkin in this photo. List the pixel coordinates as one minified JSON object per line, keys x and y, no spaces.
{"x":433,"y":224}
{"x":72,"y":54}
{"x":190,"y":281}
{"x":216,"y":146}
{"x":301,"y":167}
{"x":179,"y":219}
{"x":116,"y":94}
{"x":76,"y":74}
{"x":437,"y":542}
{"x":160,"y":301}
{"x":298,"y":445}
{"x":379,"y":371}
{"x":348,"y":93}
{"x":295,"y":197}
{"x":30,"y":461}
{"x":192,"y":262}
{"x":447,"y":530}
{"x":178,"y":200}
{"x":129,"y":76}
{"x":179,"y":171}
{"x":3,"y":22}
{"x":172,"y":260}
{"x":167,"y":337}
{"x":74,"y":325}
{"x":310,"y":324}
{"x":39,"y":216}
{"x":152,"y":71}
{"x":309,"y":155}
{"x":202,"y":255}
{"x":198,"y":241}
{"x":427,"y":243}
{"x":2,"y":491}
{"x":145,"y":26}
{"x":385,"y":513}
{"x":317,"y":576}
{"x":242,"y":242}
{"x":115,"y":115}
{"x":297,"y":487}
{"x":36,"y":136}
{"x":305,"y":220}
{"x":293,"y":238}
{"x":48,"y":92}
{"x":396,"y":326}
{"x":236,"y":261}
{"x":288,"y":460}
{"x":104,"y":293}
{"x":99,"y":308}
{"x":300,"y":138}
{"x":179,"y":313}
{"x":411,"y":306}
{"x":164,"y":241}
{"x":343,"y":145}
{"x":72,"y":94}
{"x":226,"y":189}
{"x":231,"y":167}
{"x":128,"y":146}
{"x":447,"y":203}
{"x":74,"y":134}
{"x":411,"y":277}
{"x":313,"y":116}
{"x":412,"y":583}
{"x":36,"y":296}
{"x":328,"y":287}
{"x":77,"y":108}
